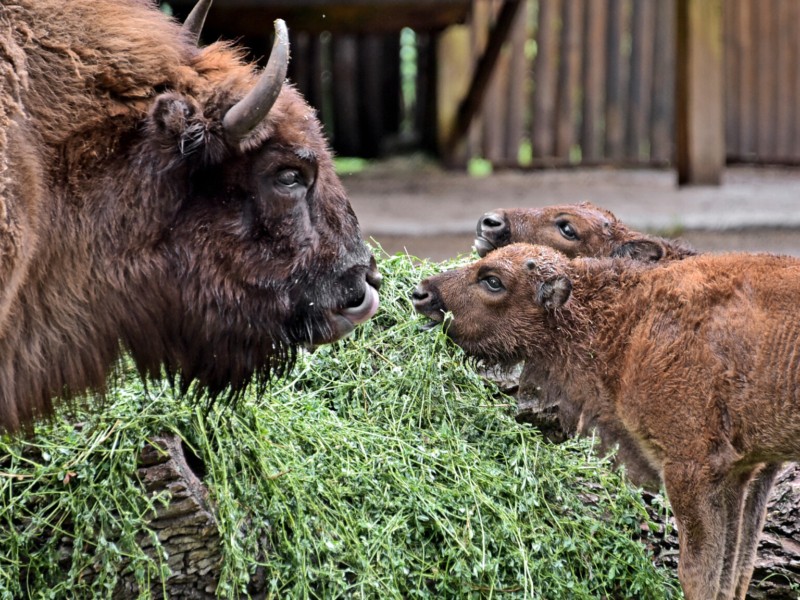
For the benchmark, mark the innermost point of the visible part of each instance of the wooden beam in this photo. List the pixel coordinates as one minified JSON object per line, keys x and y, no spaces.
{"x":473,"y":101}
{"x":699,"y":100}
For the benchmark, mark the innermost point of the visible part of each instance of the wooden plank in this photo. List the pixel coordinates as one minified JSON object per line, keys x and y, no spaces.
{"x":517,"y":86}
{"x":371,"y":104}
{"x":662,"y":118}
{"x":425,"y":110}
{"x":569,"y":71}
{"x":544,"y":79}
{"x":346,"y":133}
{"x":254,"y":17}
{"x":640,"y":79}
{"x":732,"y":76}
{"x":785,"y":78}
{"x":747,"y":117}
{"x":454,"y":66}
{"x":489,"y":122}
{"x":700,"y":128}
{"x":472,"y":102}
{"x":795,"y":36}
{"x":615,"y":81}
{"x":765,"y":79}
{"x":593,"y":77}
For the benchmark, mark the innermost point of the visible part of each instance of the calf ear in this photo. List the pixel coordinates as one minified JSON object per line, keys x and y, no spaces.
{"x":643,"y":249}
{"x":552,"y":294}
{"x":177,"y":124}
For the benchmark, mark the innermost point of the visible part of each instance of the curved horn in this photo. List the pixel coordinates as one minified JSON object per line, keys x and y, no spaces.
{"x":246,"y":114}
{"x":193,"y":24}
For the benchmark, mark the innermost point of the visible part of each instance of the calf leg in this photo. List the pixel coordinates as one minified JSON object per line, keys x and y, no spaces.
{"x":752,"y":524}
{"x":700,"y":508}
{"x":736,"y":499}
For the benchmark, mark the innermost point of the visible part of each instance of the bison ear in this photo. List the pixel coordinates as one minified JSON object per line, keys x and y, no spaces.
{"x":177,"y":123}
{"x":643,"y":249}
{"x":554,"y":293}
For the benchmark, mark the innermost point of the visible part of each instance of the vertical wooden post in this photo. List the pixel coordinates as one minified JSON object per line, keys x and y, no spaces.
{"x":454,"y":67}
{"x":699,"y":104}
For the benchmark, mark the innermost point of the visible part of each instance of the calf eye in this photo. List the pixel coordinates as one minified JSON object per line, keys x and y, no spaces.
{"x":567,"y":230}
{"x":289,"y":178}
{"x":493,"y":283}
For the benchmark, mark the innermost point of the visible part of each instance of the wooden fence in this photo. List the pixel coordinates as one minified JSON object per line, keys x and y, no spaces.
{"x":579,"y":81}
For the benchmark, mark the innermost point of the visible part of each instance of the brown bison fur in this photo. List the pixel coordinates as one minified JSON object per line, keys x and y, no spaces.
{"x":574,"y":229}
{"x":691,"y":368}
{"x":131,"y":220}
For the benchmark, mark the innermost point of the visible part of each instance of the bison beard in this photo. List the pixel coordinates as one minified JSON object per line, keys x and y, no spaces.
{"x":164,"y":199}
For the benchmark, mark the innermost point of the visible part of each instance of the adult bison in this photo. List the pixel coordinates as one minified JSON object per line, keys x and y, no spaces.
{"x":691,"y":367}
{"x":574,"y":229}
{"x":162,"y":199}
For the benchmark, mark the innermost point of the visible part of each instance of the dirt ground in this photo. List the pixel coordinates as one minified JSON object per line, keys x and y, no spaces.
{"x":412,"y":205}
{"x":759,"y":239}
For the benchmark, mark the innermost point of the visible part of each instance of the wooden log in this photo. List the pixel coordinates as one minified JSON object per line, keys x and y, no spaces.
{"x":700,"y":127}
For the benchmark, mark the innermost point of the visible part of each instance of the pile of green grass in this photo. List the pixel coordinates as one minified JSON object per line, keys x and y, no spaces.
{"x":382,"y":467}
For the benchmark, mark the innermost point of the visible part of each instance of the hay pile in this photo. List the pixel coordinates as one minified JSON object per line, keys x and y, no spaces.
{"x":382,"y":467}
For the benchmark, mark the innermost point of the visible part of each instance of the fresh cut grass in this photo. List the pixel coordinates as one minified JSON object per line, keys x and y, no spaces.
{"x":383,"y":466}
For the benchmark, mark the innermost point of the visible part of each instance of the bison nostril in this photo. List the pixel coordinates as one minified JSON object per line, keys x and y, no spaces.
{"x":374,"y":279}
{"x":419,"y":295}
{"x":491,"y":223}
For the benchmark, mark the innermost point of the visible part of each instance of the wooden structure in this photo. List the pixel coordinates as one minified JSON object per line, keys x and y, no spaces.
{"x":553,"y":82}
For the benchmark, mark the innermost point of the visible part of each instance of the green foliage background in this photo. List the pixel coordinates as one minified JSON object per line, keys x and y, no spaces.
{"x":383,"y":467}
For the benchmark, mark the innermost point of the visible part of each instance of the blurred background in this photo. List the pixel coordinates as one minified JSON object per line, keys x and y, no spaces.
{"x":418,"y":94}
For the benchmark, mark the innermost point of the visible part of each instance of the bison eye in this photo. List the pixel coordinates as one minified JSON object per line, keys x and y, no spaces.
{"x":289,"y":178}
{"x":493,"y":283}
{"x":567,"y":230}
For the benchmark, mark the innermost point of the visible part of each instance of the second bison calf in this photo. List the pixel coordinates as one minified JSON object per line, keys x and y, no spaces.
{"x":690,"y":367}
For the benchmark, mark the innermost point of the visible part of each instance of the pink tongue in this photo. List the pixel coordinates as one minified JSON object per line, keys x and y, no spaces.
{"x":363,"y":312}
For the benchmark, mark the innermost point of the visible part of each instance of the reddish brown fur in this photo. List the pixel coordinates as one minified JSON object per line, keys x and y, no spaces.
{"x":128,"y":221}
{"x":690,"y":367}
{"x":574,"y":229}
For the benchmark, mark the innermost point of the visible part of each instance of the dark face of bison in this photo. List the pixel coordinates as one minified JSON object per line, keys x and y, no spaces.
{"x":172,"y":201}
{"x":574,"y":229}
{"x":499,"y":307}
{"x":263,"y":252}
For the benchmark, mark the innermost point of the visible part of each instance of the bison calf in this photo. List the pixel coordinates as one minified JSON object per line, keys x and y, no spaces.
{"x":574,"y":229}
{"x":690,"y":367}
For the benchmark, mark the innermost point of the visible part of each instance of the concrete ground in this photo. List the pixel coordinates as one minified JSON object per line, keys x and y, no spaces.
{"x":412,"y":205}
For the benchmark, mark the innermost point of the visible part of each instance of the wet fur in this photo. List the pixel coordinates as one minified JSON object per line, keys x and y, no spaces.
{"x":127,"y":222}
{"x":689,"y":367}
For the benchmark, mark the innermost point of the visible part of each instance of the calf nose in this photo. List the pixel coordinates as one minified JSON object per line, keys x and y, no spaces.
{"x":425,"y":301}
{"x":420,"y":296}
{"x":493,"y":225}
{"x":492,"y":232}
